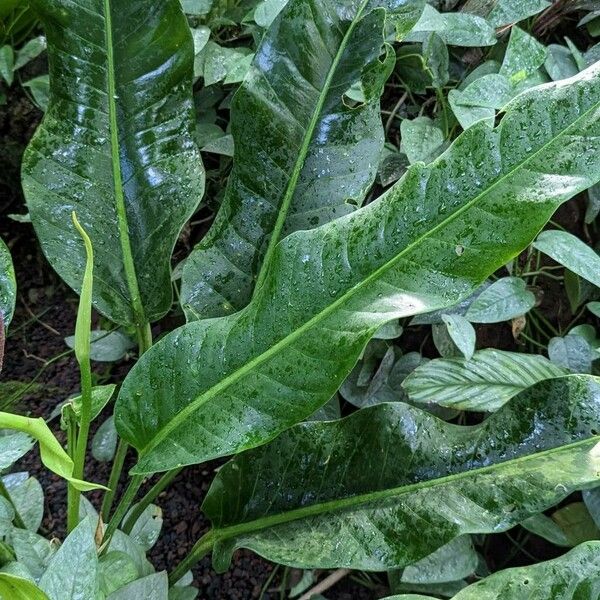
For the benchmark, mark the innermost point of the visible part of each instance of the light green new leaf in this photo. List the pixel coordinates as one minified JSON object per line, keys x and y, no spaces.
{"x":116,"y":147}
{"x":570,"y":252}
{"x":484,"y":383}
{"x":427,"y":243}
{"x":8,"y":288}
{"x":348,"y":493}
{"x":574,"y":576}
{"x":505,"y":299}
{"x":52,"y":453}
{"x":73,"y":571}
{"x":17,"y":588}
{"x":302,"y":157}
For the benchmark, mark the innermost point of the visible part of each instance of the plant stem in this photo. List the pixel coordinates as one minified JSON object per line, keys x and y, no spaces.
{"x":82,"y":440}
{"x":4,"y":493}
{"x":144,"y":336}
{"x":113,"y":479}
{"x":72,"y":504}
{"x":200,"y":549}
{"x":154,"y":491}
{"x":122,"y":507}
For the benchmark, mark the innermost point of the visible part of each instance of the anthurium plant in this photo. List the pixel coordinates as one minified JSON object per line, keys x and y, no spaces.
{"x":327,"y":241}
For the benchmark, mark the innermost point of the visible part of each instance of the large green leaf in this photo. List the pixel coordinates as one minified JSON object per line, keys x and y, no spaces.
{"x":484,"y":383}
{"x":219,"y":386}
{"x":302,"y":157}
{"x":390,"y":484}
{"x":574,"y":576}
{"x":115,"y":146}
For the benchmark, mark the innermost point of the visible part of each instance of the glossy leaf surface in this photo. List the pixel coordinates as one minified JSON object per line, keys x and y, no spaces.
{"x":483,"y":383}
{"x":8,"y":286}
{"x":115,"y":146}
{"x":218,"y":386}
{"x":571,"y":252}
{"x":348,"y":493}
{"x":574,"y":576}
{"x":302,"y":157}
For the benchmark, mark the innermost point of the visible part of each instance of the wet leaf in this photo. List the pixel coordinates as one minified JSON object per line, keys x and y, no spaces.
{"x":244,"y":378}
{"x":456,"y":29}
{"x":421,"y":139}
{"x":504,"y":300}
{"x":392,"y":465}
{"x":574,"y":576}
{"x":484,"y":383}
{"x":571,"y":252}
{"x":114,"y":143}
{"x":302,"y":157}
{"x":513,"y":11}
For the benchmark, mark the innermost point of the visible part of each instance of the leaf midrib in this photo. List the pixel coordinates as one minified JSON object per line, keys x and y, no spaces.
{"x":185,"y":412}
{"x":354,"y":502}
{"x":290,"y":189}
{"x":123,"y":225}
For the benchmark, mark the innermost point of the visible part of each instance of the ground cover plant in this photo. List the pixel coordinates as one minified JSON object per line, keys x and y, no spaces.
{"x":330,"y":265}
